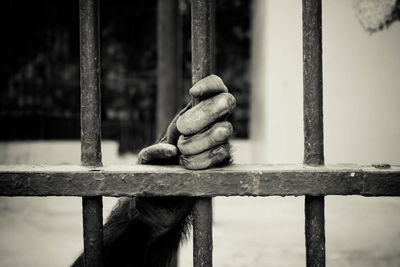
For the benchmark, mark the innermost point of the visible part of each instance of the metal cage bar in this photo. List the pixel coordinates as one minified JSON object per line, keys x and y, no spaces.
{"x":313,"y":128}
{"x":92,"y":207}
{"x":233,"y":180}
{"x":201,"y":67}
{"x":202,"y":233}
{"x":90,"y":83}
{"x":169,"y":89}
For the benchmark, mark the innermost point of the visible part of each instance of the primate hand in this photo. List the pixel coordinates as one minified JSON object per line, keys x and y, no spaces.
{"x":146,"y":231}
{"x":197,"y":138}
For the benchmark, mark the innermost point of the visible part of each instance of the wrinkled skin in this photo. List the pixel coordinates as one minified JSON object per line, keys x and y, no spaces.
{"x":146,"y":231}
{"x":197,"y":136}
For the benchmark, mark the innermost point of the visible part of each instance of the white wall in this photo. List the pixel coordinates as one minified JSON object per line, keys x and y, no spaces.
{"x":361,"y":86}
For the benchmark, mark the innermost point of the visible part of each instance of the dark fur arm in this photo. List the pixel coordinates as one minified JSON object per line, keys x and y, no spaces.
{"x":144,"y":231}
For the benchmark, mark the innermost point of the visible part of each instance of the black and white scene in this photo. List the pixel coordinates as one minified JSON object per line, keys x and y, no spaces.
{"x":200,"y":133}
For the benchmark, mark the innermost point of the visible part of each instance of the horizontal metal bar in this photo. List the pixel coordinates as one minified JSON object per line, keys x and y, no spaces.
{"x":235,"y":180}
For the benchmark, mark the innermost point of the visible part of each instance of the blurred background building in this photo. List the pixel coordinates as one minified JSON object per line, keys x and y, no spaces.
{"x":39,"y":77}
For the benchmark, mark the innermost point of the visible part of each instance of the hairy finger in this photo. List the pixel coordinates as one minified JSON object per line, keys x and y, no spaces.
{"x":218,"y":134}
{"x":206,"y":159}
{"x":158,"y":153}
{"x":205,"y":113}
{"x":210,"y":85}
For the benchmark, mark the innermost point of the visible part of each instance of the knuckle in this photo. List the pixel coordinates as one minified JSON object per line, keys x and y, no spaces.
{"x":230,"y":99}
{"x":218,"y":79}
{"x":214,"y":77}
{"x":183,"y":143}
{"x":220,"y":151}
{"x":222,"y":132}
{"x":206,"y":159}
{"x":219,"y":134}
{"x":224,"y":102}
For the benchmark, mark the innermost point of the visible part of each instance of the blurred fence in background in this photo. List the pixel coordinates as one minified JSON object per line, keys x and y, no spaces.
{"x":39,"y":71}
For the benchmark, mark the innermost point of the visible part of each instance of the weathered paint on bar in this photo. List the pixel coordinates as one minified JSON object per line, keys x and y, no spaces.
{"x":201,"y":39}
{"x":315,"y":230}
{"x":201,"y":67}
{"x":202,"y":233}
{"x":234,"y":180}
{"x":90,"y":82}
{"x":313,"y":128}
{"x":91,"y":126}
{"x":312,"y":83}
{"x":92,"y":210}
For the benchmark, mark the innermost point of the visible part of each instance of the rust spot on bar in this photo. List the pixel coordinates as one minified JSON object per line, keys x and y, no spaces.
{"x":381,"y":165}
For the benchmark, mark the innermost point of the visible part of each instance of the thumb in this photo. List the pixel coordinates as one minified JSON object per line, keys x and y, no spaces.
{"x":158,"y":153}
{"x":172,"y":134}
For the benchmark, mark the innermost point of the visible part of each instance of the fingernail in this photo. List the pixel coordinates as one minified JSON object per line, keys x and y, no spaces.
{"x":170,"y":152}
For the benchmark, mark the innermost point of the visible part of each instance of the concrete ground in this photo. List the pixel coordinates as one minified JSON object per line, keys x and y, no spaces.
{"x":247,"y":231}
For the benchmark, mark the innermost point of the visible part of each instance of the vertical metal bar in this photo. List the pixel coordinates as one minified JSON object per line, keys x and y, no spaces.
{"x":201,"y":67}
{"x":315,"y":231}
{"x":201,"y":41}
{"x":313,"y":127}
{"x":213,"y":32}
{"x":168,"y":63}
{"x":92,"y":207}
{"x":92,"y":210}
{"x":90,"y":83}
{"x":312,"y":78}
{"x":202,"y":233}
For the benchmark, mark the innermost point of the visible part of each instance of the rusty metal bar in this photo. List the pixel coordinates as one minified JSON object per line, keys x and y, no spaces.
{"x":92,"y":210}
{"x":92,"y":207}
{"x":201,"y":41}
{"x":202,"y":233}
{"x":312,"y":79}
{"x":233,"y":180}
{"x":201,"y":67}
{"x":213,"y":32}
{"x":315,"y":231}
{"x":169,"y":95}
{"x":90,"y":82}
{"x":313,"y":128}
